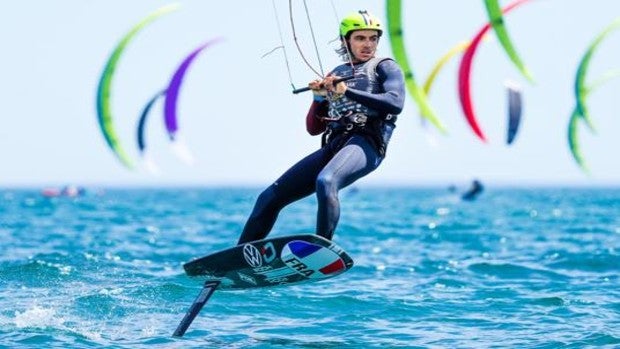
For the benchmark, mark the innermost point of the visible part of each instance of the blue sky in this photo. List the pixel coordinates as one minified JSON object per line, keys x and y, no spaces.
{"x":236,"y":112}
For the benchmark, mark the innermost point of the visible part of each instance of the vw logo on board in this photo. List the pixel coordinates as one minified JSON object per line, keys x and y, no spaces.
{"x":252,"y":256}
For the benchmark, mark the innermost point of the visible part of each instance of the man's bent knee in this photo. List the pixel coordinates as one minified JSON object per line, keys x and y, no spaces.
{"x":325,"y":185}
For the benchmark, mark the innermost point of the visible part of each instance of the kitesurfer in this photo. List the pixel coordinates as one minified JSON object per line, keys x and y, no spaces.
{"x":473,"y":191}
{"x":356,"y":119}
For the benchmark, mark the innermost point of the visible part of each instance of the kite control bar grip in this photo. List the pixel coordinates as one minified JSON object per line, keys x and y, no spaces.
{"x":304,"y":89}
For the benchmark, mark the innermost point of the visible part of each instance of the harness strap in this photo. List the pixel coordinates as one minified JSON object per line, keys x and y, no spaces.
{"x":360,"y":123}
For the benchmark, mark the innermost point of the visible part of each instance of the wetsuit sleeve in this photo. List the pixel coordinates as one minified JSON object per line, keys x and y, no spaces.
{"x":393,"y":99}
{"x":314,"y":124}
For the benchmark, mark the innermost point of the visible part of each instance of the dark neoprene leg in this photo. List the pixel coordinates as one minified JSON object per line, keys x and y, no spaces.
{"x":296,"y":183}
{"x":355,"y":160}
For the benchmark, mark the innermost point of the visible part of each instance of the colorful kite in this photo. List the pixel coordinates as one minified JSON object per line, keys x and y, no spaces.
{"x":497,"y":21}
{"x":582,"y":70}
{"x":141,"y":130}
{"x":515,"y":106}
{"x":395,"y":30}
{"x":172,"y":92}
{"x":573,"y":133}
{"x":104,"y":112}
{"x":458,"y":48}
{"x":464,"y":81}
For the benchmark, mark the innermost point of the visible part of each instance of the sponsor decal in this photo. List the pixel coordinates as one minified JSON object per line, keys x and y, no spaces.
{"x":252,"y":256}
{"x":298,"y":266}
{"x":277,"y":280}
{"x":311,"y":260}
{"x":274,"y":276}
{"x":262,"y":270}
{"x":270,"y":273}
{"x":268,"y":252}
{"x":227,"y":282}
{"x":247,"y":278}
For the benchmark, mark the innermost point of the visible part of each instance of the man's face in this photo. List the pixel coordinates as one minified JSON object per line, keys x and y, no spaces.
{"x":363,"y":44}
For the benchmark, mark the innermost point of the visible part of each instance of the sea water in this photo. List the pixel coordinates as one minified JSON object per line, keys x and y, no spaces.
{"x":515,"y":268}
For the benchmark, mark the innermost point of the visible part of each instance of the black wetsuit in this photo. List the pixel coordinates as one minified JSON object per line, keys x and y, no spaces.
{"x":351,"y":150}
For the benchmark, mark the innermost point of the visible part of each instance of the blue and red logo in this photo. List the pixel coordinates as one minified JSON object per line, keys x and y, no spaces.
{"x":312,"y":261}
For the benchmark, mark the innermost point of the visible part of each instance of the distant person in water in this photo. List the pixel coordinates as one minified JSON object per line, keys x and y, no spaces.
{"x":473,"y":192}
{"x":68,"y":191}
{"x":73,"y":191}
{"x":356,"y":118}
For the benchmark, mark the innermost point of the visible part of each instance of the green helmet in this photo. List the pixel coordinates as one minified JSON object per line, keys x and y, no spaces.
{"x":360,"y":20}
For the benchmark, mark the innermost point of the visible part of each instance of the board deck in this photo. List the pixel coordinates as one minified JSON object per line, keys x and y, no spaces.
{"x":272,"y":262}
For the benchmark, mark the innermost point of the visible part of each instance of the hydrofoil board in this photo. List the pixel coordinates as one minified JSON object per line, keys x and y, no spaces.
{"x":272,"y":262}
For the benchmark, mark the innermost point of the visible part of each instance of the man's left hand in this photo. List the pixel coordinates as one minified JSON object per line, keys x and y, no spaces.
{"x":338,"y":89}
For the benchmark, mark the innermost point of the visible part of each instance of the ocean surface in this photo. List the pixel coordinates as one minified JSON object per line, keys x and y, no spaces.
{"x":515,"y":268}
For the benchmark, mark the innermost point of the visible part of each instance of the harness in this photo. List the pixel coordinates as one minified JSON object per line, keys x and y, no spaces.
{"x":359,"y":122}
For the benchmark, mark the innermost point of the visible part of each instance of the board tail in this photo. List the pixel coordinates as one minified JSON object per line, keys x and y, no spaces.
{"x":204,"y":295}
